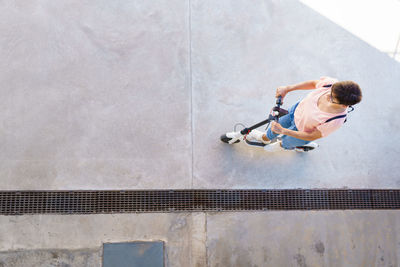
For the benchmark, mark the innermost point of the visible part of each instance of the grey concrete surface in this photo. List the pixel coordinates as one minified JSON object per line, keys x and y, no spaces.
{"x":94,"y":94}
{"x":51,"y":258}
{"x":272,"y":238}
{"x":329,"y":238}
{"x":242,"y":53}
{"x":180,"y":232}
{"x":134,"y":95}
{"x":113,"y":95}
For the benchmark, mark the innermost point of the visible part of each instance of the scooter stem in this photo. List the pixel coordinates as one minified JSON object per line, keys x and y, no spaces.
{"x":271,"y":117}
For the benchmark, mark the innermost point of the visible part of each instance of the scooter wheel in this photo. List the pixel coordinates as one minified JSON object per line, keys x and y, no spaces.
{"x":226,"y":139}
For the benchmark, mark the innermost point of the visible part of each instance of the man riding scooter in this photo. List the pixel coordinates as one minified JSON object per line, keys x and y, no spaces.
{"x":319,"y":114}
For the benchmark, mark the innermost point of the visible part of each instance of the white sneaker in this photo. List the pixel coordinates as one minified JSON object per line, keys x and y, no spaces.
{"x":233,"y":135}
{"x":256,"y":135}
{"x":274,"y":147}
{"x":308,"y":147}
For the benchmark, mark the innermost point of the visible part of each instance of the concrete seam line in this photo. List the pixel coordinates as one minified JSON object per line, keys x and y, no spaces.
{"x":205,"y":229}
{"x":191,"y":86}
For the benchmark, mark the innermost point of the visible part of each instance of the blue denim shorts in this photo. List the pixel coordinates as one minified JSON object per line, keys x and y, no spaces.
{"x":287,"y":122}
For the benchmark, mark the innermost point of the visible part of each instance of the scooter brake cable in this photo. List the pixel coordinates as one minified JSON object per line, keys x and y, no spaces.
{"x":241,"y":124}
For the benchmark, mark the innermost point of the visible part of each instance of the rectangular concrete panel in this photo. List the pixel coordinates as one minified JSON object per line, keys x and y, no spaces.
{"x":332,"y":238}
{"x":23,"y":233}
{"x":289,"y":238}
{"x":242,"y":52}
{"x":98,"y":95}
{"x":133,"y":254}
{"x":94,"y":95}
{"x":51,"y":257}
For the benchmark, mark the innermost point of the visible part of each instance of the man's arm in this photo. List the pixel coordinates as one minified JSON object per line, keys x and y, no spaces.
{"x":307,"y":85}
{"x":303,"y":135}
{"x":277,"y":128}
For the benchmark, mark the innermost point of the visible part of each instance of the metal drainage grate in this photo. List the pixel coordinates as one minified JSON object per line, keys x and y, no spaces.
{"x":138,"y":201}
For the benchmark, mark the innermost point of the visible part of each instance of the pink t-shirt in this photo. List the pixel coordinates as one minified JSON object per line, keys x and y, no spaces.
{"x":309,"y":117}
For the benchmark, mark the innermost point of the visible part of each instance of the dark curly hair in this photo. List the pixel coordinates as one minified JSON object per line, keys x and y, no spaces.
{"x":347,"y":92}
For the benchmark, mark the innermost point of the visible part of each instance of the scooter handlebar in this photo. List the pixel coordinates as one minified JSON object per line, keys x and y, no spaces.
{"x":279,"y":100}
{"x":277,"y":108}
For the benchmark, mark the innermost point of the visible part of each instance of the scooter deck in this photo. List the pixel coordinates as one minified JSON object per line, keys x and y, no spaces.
{"x":226,"y":139}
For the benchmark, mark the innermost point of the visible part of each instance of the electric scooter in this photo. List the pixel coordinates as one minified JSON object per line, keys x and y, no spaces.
{"x":239,"y":136}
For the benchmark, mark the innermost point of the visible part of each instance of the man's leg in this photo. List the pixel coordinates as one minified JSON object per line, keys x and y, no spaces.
{"x":289,"y":142}
{"x":284,"y":121}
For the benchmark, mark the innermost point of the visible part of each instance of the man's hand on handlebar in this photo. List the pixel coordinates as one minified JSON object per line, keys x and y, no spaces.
{"x":281,"y":91}
{"x":276,"y":128}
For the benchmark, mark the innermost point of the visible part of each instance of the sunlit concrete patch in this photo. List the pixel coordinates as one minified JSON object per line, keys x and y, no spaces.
{"x":376,"y":22}
{"x":131,"y":254}
{"x":239,"y":61}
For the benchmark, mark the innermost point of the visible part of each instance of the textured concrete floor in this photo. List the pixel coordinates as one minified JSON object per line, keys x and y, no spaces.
{"x":296,"y":238}
{"x":134,"y":95}
{"x":51,"y":257}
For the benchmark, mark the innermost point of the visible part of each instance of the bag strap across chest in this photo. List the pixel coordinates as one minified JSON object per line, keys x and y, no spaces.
{"x":339,"y":116}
